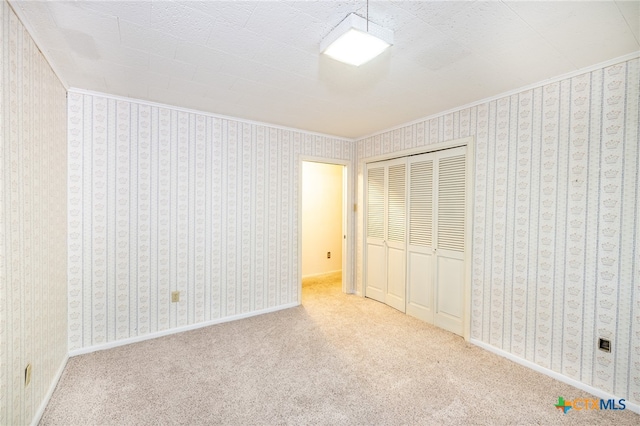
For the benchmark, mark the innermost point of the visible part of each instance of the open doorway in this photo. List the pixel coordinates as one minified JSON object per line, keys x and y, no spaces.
{"x":323,"y":225}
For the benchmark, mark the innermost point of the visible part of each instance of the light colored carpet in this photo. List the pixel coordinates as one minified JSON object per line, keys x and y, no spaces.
{"x":337,"y":359}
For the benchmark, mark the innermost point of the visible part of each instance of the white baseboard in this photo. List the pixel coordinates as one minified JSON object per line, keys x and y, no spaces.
{"x":130,"y":340}
{"x":52,"y":387}
{"x":321,"y":274}
{"x":554,"y":374}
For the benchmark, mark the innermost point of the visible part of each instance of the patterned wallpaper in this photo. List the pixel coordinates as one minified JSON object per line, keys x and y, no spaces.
{"x":33,"y":244}
{"x":556,"y":261}
{"x":164,"y":200}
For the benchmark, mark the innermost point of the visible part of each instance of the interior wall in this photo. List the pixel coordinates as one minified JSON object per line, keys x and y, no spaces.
{"x":33,"y":217}
{"x":166,"y":200}
{"x":556,"y":262}
{"x":321,"y":218}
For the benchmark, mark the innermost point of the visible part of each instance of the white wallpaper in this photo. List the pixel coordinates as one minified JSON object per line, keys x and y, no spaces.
{"x":162,"y":200}
{"x":33,"y":276}
{"x":556,"y":238}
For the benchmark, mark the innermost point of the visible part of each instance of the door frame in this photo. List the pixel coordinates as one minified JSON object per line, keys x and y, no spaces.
{"x":347,"y":219}
{"x":469,"y":142}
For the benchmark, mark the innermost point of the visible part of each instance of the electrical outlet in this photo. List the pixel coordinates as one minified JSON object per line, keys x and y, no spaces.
{"x":175,"y":296}
{"x":27,"y":375}
{"x":328,"y":255}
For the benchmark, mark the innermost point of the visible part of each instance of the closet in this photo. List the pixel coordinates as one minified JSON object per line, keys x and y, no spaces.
{"x":415,"y":233}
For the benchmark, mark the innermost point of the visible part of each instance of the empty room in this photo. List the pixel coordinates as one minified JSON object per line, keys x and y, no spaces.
{"x":319,"y":212}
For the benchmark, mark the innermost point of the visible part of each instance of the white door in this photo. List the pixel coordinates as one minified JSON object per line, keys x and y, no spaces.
{"x":449,"y":217}
{"x":415,"y":236}
{"x":420,"y":248}
{"x":376,"y":272}
{"x":396,"y":231}
{"x":386,"y":230}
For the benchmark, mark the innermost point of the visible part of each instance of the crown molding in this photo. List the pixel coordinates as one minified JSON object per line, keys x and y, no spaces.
{"x":585,"y":70}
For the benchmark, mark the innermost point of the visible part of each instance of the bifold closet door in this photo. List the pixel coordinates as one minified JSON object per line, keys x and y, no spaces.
{"x":449,"y":219}
{"x":376,"y":250}
{"x":396,"y":231}
{"x":386,"y":232}
{"x":420,"y":248}
{"x":415,"y":236}
{"x":435,"y":246}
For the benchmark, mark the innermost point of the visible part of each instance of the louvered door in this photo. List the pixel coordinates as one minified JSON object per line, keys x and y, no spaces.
{"x":396,"y":229}
{"x":415,"y":236}
{"x":386,"y":232}
{"x":420,"y":248}
{"x":449,"y":219}
{"x":376,"y":272}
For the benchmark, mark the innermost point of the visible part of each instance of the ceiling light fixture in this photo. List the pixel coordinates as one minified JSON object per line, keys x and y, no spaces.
{"x":356,"y":41}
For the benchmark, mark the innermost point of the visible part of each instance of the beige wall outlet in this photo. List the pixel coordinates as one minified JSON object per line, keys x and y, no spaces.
{"x":175,"y":296}
{"x":27,"y":375}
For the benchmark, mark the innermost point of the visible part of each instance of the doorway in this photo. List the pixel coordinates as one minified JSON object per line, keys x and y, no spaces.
{"x":323,"y":222}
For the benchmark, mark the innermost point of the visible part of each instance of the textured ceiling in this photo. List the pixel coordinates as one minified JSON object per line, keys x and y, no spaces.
{"x":259,"y":60}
